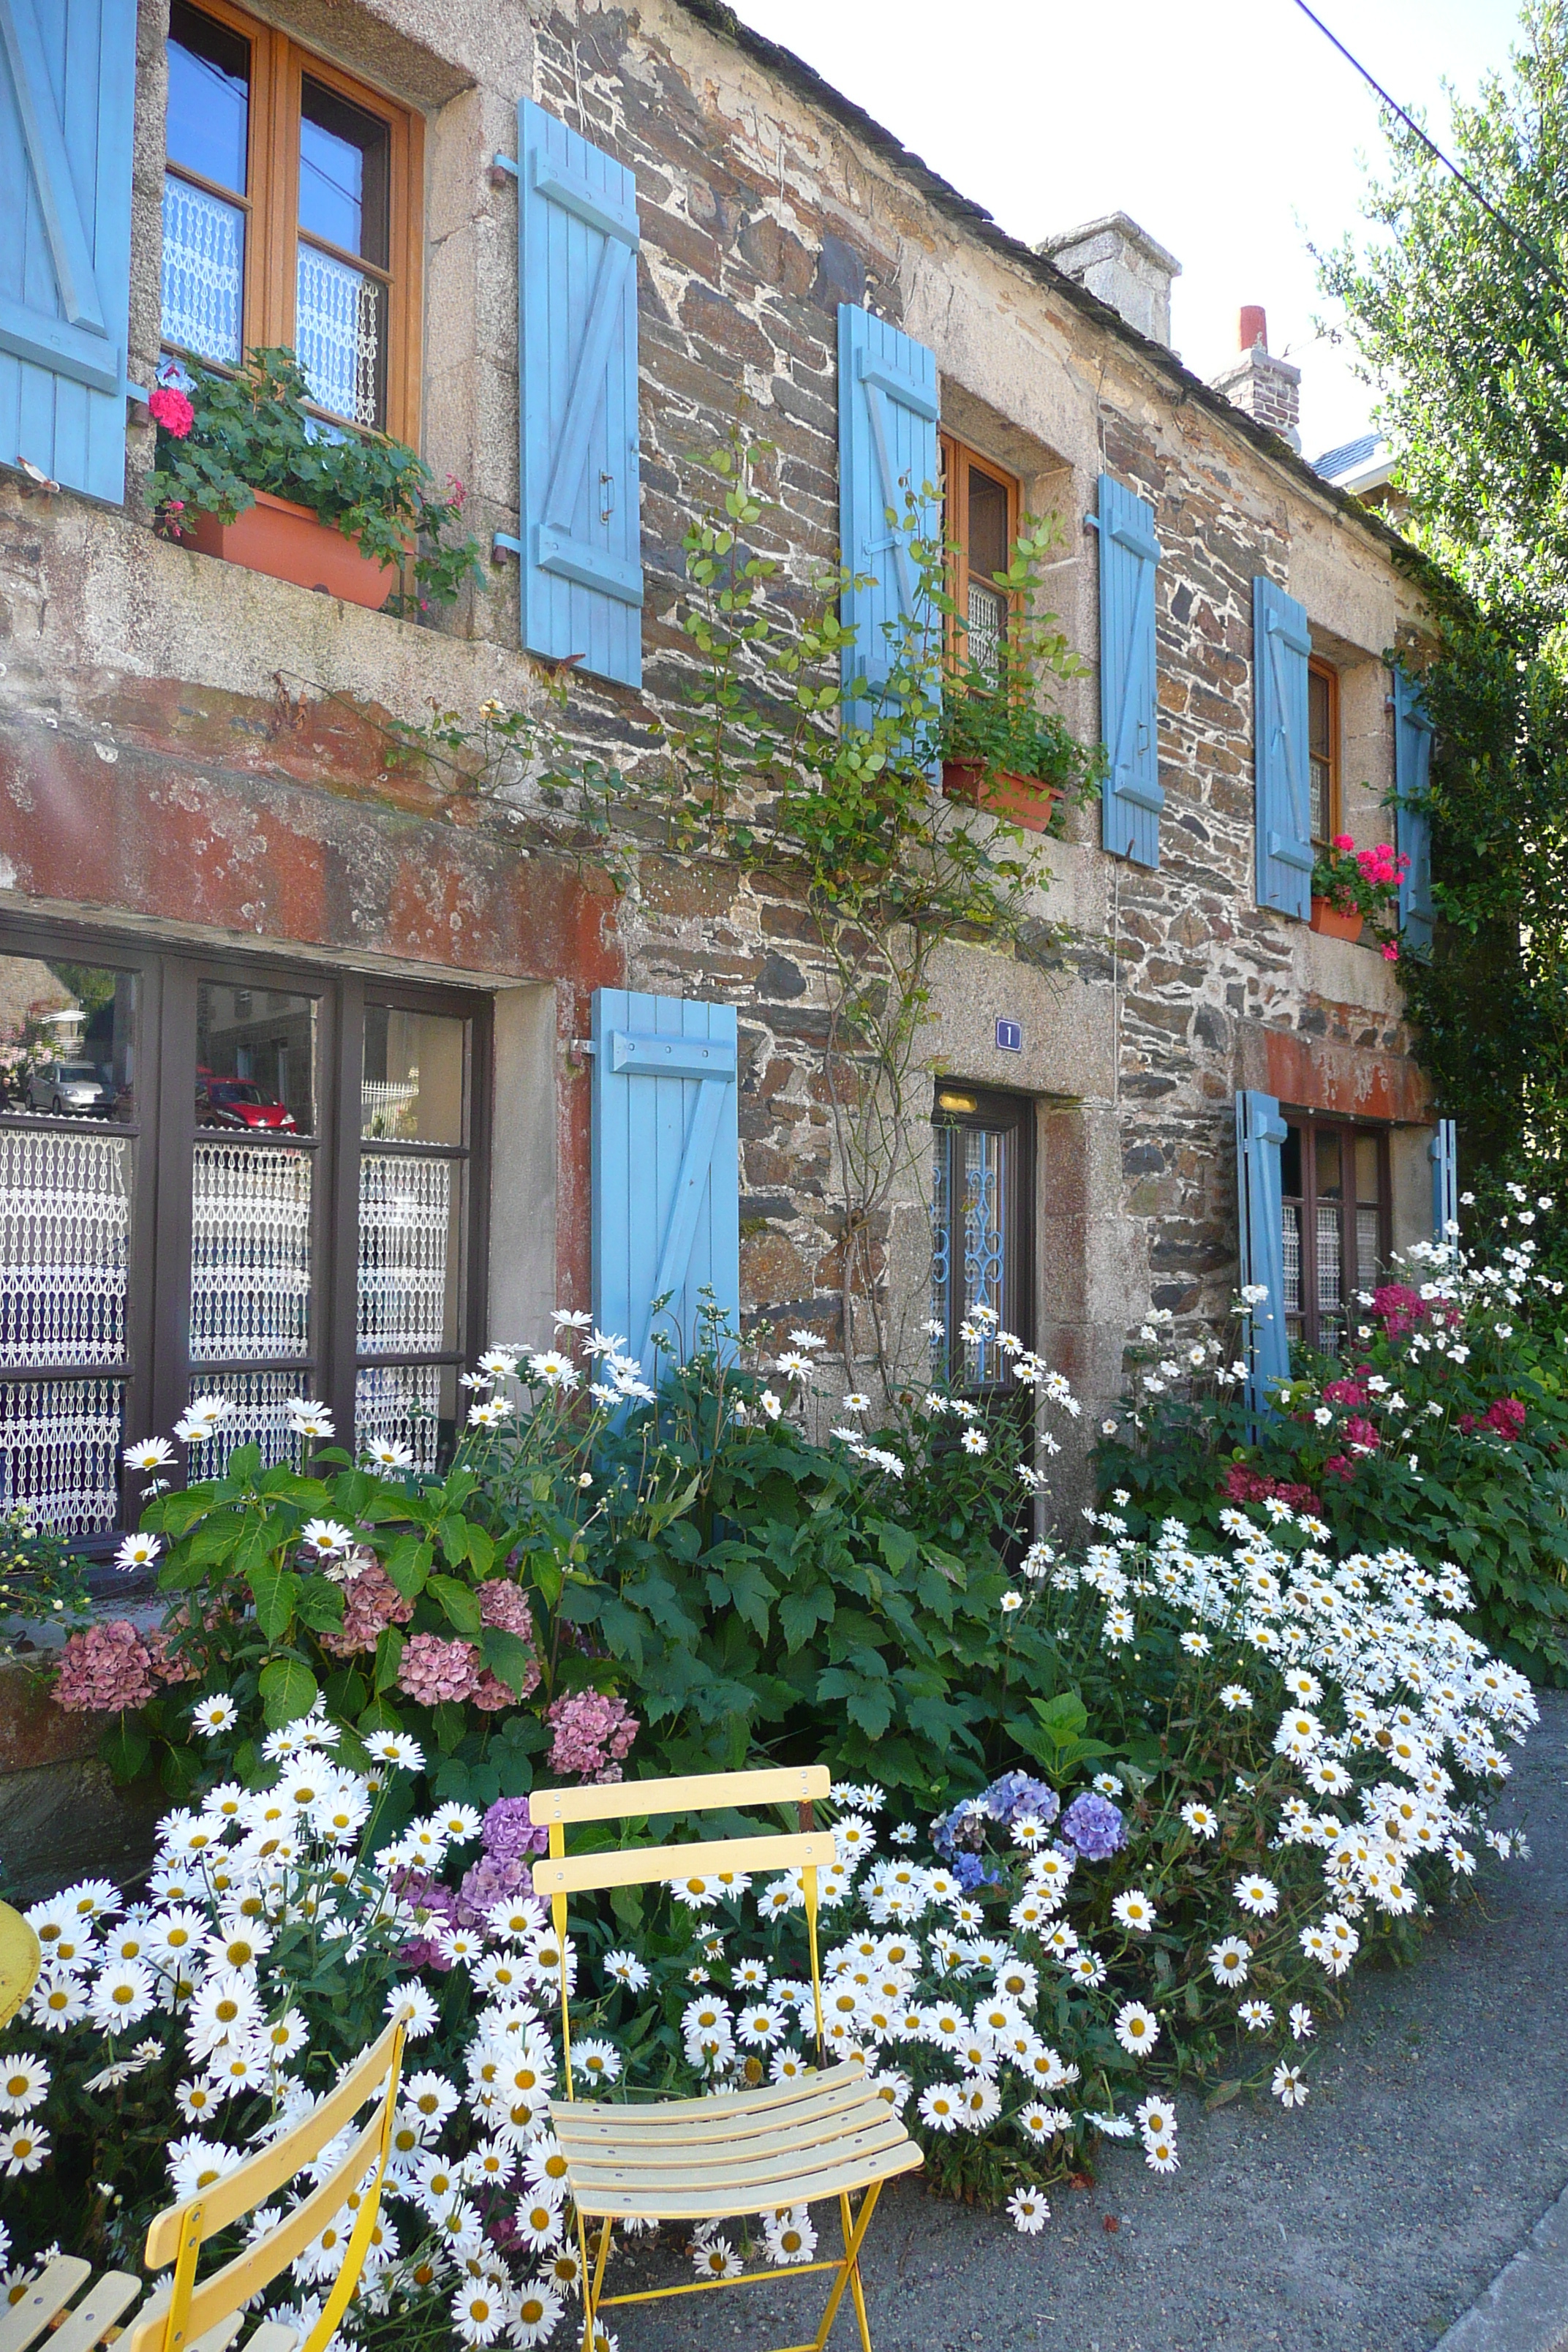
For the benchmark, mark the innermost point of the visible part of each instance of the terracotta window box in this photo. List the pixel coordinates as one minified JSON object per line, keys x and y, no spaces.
{"x":288,"y":542}
{"x":1331,"y":923}
{"x":1022,"y":800}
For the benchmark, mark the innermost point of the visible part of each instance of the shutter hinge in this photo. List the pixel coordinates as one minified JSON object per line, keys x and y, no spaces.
{"x":502,"y":169}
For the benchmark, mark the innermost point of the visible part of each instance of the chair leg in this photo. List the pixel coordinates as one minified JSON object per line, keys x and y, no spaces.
{"x":854,"y":2239}
{"x":857,"y":2286}
{"x":593,"y":2286}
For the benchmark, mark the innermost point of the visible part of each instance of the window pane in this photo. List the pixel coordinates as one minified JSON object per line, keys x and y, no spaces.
{"x":344,"y":155}
{"x":942,"y":1250}
{"x":1368,"y":1174}
{"x":60,"y":1453}
{"x":203,"y":271}
{"x":250,"y":1252}
{"x":1331,"y":1276}
{"x":256,"y":1059}
{"x":409,"y":1254}
{"x":1292,"y":1265}
{"x":1290,"y":1163}
{"x":407,"y":1405}
{"x":208,"y":118}
{"x":65,"y":1237}
{"x":1328,"y":1147}
{"x":1368,"y":1244}
{"x":985,"y":1158}
{"x":988,"y":627}
{"x":340,"y":335}
{"x":987,"y":549}
{"x":1320,"y":710}
{"x":67,"y":1039}
{"x":412,"y":1090}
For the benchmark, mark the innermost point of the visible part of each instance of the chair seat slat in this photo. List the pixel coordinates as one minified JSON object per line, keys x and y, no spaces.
{"x":702,"y":2165}
{"x":100,"y":2307}
{"x":272,"y":2336}
{"x":49,"y":2293}
{"x":640,"y":1865}
{"x":625,"y":1800}
{"x":681,"y":2202}
{"x":704,"y":2145}
{"x":576,"y":2124}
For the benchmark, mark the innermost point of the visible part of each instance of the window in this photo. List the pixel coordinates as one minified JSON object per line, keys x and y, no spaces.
{"x":1334,"y":1181}
{"x":983,"y":1230}
{"x":981,"y":520}
{"x":1323,"y":750}
{"x":227,"y":1178}
{"x":290,"y":216}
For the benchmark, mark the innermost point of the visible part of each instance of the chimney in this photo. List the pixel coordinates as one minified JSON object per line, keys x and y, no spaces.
{"x":1116,"y":260}
{"x":1268,"y":389}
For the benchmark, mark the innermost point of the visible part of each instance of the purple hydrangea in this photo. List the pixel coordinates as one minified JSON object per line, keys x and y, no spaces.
{"x":509,"y":1832}
{"x":960,"y":1830}
{"x":971,"y":1872}
{"x":1094,"y":1826}
{"x":1015,"y":1794}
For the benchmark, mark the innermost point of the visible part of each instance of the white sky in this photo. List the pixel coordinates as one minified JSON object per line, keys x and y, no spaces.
{"x":1229,"y":128}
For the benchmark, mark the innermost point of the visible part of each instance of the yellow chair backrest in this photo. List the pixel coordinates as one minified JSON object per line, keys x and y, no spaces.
{"x":20,"y":1959}
{"x":180,"y":2232}
{"x":807,"y":1849}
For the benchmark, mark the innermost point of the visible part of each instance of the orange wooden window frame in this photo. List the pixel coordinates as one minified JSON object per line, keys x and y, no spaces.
{"x":957,"y":458}
{"x":279,"y":66}
{"x":1330,"y":676}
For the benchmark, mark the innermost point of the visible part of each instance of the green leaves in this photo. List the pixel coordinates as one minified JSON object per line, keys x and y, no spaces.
{"x":288,"y":1690}
{"x":1057,"y":1736}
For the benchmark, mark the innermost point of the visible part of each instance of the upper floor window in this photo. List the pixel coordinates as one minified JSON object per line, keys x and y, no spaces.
{"x":980,"y":522}
{"x":1323,"y":750}
{"x":1336,"y":1182}
{"x":290,"y":207}
{"x":981,"y":1233}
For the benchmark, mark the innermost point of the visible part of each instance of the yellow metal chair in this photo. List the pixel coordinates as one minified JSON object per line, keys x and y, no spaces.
{"x":735,"y":2154}
{"x":180,"y":2316}
{"x":20,"y":1960}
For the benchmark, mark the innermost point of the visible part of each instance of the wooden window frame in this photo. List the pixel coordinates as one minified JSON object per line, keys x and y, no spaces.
{"x":157,"y":1370}
{"x":279,"y":65}
{"x":957,"y":456}
{"x":994,"y":1112}
{"x":1318,"y":668}
{"x":1308,"y":1325}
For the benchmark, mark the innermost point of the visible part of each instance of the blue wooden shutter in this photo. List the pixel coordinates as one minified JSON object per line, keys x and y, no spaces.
{"x":581,"y":552}
{"x":1412,"y":818}
{"x":1128,"y":555}
{"x":68,"y":88}
{"x":1444,"y":1150}
{"x":1280,"y":644}
{"x":666,"y":1178}
{"x":1259,"y":1132}
{"x":887,"y":411}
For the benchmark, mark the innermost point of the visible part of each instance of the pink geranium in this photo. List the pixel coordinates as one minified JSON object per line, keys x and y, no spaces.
{"x":172,"y":411}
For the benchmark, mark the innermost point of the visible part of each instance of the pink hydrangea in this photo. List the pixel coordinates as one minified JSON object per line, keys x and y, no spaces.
{"x":370,"y":1602}
{"x":432,"y":1670}
{"x":593,"y":1734}
{"x":166,"y":1665}
{"x":104,"y":1670}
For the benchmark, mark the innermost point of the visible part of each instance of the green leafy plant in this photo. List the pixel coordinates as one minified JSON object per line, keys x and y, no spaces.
{"x":255,"y":431}
{"x":42,"y":1582}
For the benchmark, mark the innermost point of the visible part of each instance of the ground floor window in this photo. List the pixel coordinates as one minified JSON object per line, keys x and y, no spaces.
{"x":1334,"y":1181}
{"x":983,"y":1230}
{"x":226,"y":1176}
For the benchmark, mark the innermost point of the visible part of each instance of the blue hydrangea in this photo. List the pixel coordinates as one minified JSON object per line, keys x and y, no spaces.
{"x":1017,"y":1793}
{"x":971,"y":1870}
{"x":1094,"y":1826}
{"x":962,"y":1830}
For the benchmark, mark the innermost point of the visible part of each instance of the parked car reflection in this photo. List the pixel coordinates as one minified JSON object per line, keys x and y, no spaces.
{"x":70,"y":1090}
{"x":239,"y":1102}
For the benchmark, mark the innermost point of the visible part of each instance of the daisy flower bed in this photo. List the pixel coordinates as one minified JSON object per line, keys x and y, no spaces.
{"x":1263,"y":1766}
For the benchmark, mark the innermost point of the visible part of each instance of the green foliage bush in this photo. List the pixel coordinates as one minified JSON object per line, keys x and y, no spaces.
{"x":1443,"y":1430}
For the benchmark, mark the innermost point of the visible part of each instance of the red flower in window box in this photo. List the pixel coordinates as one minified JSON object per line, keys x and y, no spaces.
{"x":172,"y":410}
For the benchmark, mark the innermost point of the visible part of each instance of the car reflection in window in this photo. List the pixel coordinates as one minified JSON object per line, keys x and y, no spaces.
{"x":239,"y":1102}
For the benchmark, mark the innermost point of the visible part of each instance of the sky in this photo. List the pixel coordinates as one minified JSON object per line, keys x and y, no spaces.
{"x":1230,"y":130}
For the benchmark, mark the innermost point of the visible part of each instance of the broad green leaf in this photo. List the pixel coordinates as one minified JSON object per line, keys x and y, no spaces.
{"x":288,"y":1690}
{"x":388,"y":1659}
{"x":407,"y":1565}
{"x":460,"y":1603}
{"x":275,"y":1591}
{"x":508,"y":1658}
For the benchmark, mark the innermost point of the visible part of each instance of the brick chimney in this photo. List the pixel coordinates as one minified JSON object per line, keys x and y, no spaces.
{"x":1120,"y":262}
{"x":1269,"y":390}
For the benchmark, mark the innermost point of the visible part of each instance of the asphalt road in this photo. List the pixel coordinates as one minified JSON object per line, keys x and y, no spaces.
{"x":1435,"y":2138}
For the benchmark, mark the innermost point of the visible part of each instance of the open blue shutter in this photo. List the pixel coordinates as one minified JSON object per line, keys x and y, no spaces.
{"x":1259,"y":1132}
{"x":1128,"y":555}
{"x":68,"y":88}
{"x":580,"y":553}
{"x":1444,"y":1150}
{"x":887,"y":411}
{"x":666,"y":1178}
{"x":1413,"y":823}
{"x":1280,"y":644}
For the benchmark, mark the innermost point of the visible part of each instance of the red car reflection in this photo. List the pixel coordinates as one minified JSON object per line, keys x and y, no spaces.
{"x":239,"y":1102}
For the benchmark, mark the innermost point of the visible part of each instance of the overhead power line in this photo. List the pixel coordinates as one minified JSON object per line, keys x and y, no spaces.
{"x":1520,"y":235}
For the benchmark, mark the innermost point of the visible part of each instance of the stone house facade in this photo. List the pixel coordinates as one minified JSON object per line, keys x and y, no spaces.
{"x":217,"y":876}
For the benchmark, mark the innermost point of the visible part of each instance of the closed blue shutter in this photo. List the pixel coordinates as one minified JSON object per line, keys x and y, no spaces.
{"x":580,"y":553}
{"x":1129,"y":554}
{"x":666,"y":1178}
{"x":887,"y":411}
{"x":1412,"y":818}
{"x":1259,"y":1132}
{"x":1280,"y":644}
{"x":68,"y":88}
{"x":1445,"y":1150}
